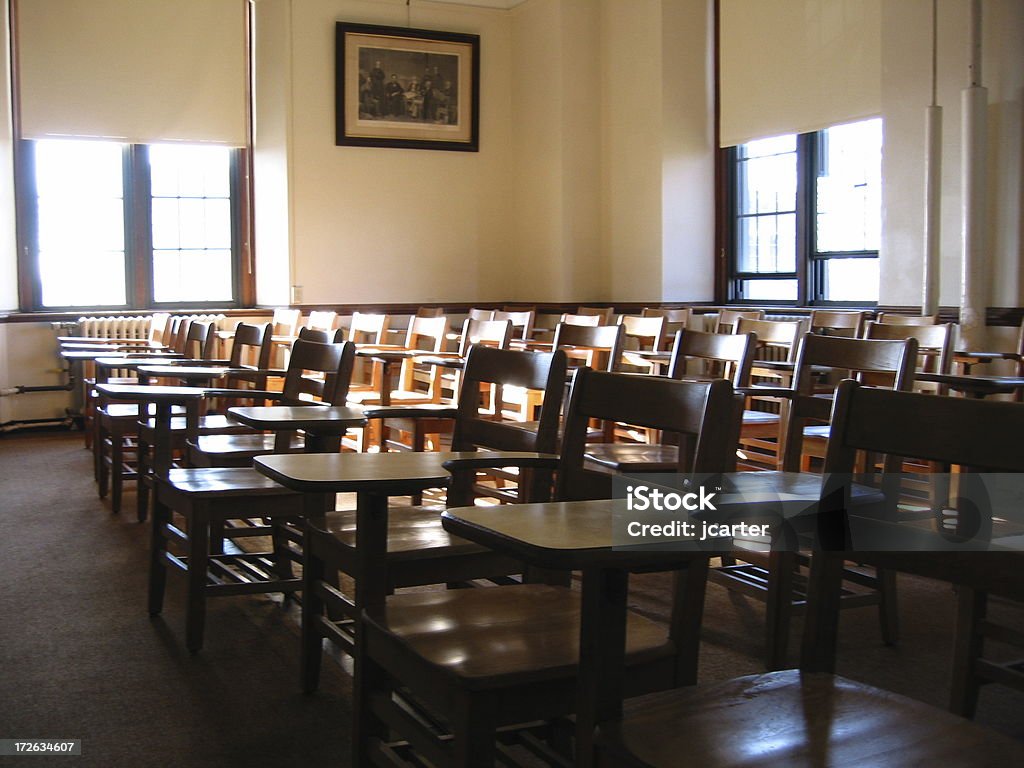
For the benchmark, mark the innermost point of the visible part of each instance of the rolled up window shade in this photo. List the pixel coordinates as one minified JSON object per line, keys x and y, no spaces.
{"x":793,"y":66}
{"x":141,"y":71}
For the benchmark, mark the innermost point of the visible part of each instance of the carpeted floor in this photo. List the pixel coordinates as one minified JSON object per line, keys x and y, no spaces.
{"x":80,"y":657}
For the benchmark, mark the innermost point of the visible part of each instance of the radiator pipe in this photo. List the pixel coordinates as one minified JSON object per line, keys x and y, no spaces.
{"x":11,"y":426}
{"x":21,"y":389}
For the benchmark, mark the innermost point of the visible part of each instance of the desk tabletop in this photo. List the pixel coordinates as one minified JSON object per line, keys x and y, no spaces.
{"x":185,"y":371}
{"x":134,"y":362}
{"x":152,"y":394}
{"x":394,"y":474}
{"x":313,"y":418}
{"x":976,"y":384}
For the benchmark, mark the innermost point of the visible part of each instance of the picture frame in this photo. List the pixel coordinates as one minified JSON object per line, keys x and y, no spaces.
{"x":406,"y":88}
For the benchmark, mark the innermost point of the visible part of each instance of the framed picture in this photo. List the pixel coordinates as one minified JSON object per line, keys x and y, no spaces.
{"x":409,"y":88}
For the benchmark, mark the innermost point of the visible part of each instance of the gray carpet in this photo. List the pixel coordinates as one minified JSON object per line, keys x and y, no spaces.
{"x":82,"y":659}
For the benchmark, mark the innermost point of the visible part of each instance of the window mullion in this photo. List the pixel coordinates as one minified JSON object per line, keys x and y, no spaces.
{"x":806,"y":170}
{"x":138,"y":226}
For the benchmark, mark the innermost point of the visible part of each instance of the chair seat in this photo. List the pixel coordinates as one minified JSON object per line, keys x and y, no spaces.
{"x":414,"y":533}
{"x":225,"y":482}
{"x":760,"y":417}
{"x":131,"y":410}
{"x":500,"y":636}
{"x":634,"y":457}
{"x":214,"y":423}
{"x":794,"y":719}
{"x":239,"y":446}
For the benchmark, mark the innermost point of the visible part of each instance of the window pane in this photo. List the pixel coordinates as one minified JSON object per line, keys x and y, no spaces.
{"x":849,"y":199}
{"x":191,"y":223}
{"x":767,"y":243}
{"x":769,"y":290}
{"x":80,"y":210}
{"x":174,"y":276}
{"x":768,"y":184}
{"x":851,"y":280}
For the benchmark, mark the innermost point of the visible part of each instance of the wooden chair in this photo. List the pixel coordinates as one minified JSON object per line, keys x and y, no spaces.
{"x":476,"y":313}
{"x":585,"y":320}
{"x":606,"y":314}
{"x":675,"y":319}
{"x":209,"y":500}
{"x":644,"y":332}
{"x":322,"y":320}
{"x":425,"y":334}
{"x":419,"y":551}
{"x":934,"y":345}
{"x":727,"y":356}
{"x":728,"y":319}
{"x":900,"y":426}
{"x":830,"y":322}
{"x":813,"y":717}
{"x":285,"y":321}
{"x":522,"y":322}
{"x":777,"y":347}
{"x":491,"y":333}
{"x":486,"y":658}
{"x":316,"y":373}
{"x":774,"y":578}
{"x":598,"y":347}
{"x":895,"y":318}
{"x":248,"y":369}
{"x":429,"y":311}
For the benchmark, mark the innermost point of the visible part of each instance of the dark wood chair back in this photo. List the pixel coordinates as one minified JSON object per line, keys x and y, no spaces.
{"x":828,"y":322}
{"x":775,"y":338}
{"x":318,"y":372}
{"x":606,"y":314}
{"x":593,"y":346}
{"x":199,"y":341}
{"x":730,"y":355}
{"x":704,"y":416}
{"x":934,"y":342}
{"x":888,"y":363}
{"x":675,"y":319}
{"x":430,"y":312}
{"x":894,"y":318}
{"x":728,"y":319}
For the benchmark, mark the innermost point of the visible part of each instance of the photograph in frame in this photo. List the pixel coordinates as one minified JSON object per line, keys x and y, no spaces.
{"x":407,"y":88}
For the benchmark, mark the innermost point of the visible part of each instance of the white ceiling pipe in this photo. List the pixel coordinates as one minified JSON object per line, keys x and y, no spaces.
{"x":974,"y":267}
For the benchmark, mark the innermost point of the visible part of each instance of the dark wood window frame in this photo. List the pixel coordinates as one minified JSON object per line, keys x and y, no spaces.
{"x":811,"y":264}
{"x":138,"y":235}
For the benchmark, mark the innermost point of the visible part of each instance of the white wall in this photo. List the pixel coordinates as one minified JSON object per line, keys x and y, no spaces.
{"x":395,"y":224}
{"x":8,"y":241}
{"x":906,"y":91}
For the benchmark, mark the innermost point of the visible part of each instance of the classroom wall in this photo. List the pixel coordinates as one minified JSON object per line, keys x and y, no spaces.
{"x":8,"y":242}
{"x":906,"y":91}
{"x":593,"y":181}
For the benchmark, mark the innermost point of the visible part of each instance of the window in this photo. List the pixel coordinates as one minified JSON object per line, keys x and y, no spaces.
{"x":110,"y":225}
{"x":807,"y":217}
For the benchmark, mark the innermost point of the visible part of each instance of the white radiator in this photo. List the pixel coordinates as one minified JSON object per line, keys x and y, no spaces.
{"x":135,"y":327}
{"x":113,"y":327}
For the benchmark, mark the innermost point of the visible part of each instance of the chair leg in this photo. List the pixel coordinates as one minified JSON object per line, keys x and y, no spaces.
{"x":282,"y":552}
{"x":473,"y":733}
{"x":143,"y":479}
{"x":198,"y":557}
{"x":116,"y":471}
{"x":157,"y":556}
{"x":967,"y":647}
{"x":102,"y":473}
{"x":370,"y":680}
{"x":888,"y":607}
{"x":312,"y":611}
{"x":779,"y":608}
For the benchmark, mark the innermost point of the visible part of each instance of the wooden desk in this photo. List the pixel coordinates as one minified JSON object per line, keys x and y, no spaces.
{"x":975,"y":386}
{"x":578,"y":536}
{"x":323,"y":426}
{"x":201,"y":375}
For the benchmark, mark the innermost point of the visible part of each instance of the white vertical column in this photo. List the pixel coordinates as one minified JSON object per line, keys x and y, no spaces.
{"x":974,"y":273}
{"x":932,"y":185}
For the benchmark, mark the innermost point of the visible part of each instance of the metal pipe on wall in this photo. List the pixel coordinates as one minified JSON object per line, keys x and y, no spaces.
{"x":932,"y":185}
{"x":974,"y":267}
